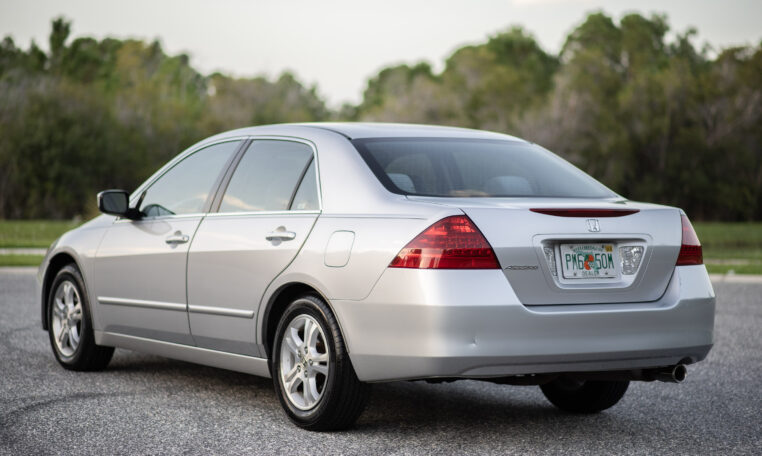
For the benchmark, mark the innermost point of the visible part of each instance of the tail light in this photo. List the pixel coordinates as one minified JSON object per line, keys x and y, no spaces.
{"x":451,"y":243}
{"x":690,"y":249}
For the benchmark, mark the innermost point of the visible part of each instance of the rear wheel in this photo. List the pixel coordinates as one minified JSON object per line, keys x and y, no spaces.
{"x":70,"y":326}
{"x":578,"y":396}
{"x":311,"y":370}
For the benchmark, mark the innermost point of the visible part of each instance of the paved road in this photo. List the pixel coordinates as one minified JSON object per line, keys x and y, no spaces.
{"x":149,"y":405}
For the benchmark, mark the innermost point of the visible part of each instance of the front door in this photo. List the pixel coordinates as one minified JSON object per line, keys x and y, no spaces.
{"x":266,"y":213}
{"x":140,"y":266}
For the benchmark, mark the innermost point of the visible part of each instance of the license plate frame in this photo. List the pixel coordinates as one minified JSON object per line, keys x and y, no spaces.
{"x":588,"y":261}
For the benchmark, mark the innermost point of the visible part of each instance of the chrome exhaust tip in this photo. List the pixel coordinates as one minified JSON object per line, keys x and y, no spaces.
{"x":673,"y":374}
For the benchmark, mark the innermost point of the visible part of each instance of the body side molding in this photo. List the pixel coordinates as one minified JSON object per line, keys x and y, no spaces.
{"x":141,"y":303}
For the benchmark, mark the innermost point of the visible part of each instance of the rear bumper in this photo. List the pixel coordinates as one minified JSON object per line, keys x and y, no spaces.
{"x":426,"y":323}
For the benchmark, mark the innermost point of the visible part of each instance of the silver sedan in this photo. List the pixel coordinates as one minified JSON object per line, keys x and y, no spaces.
{"x":331,"y":256}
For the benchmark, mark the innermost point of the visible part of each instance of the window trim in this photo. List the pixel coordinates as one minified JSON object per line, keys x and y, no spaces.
{"x":215,"y":208}
{"x":299,"y":182}
{"x":176,"y":161}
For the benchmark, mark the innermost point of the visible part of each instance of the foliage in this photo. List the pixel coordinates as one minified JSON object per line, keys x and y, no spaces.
{"x":655,"y":119}
{"x":91,"y":115}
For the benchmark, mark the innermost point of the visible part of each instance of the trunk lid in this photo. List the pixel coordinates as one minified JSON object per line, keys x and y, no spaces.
{"x":544,"y":256}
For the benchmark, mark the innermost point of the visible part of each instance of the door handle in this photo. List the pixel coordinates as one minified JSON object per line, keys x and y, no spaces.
{"x":177,"y":238}
{"x":280,"y":234}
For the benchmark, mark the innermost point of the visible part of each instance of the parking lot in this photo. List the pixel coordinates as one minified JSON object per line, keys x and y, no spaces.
{"x":150,"y":405}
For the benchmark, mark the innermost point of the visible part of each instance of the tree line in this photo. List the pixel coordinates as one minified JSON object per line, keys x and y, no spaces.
{"x":655,"y":119}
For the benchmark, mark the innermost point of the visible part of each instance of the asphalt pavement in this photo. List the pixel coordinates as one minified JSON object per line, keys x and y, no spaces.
{"x":146,"y":404}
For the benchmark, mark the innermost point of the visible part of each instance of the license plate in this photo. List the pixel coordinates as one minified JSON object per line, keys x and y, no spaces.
{"x":588,"y":261}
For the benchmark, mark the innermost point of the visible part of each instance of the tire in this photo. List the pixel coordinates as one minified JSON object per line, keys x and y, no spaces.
{"x":338,"y":397}
{"x":584,"y":396}
{"x":70,"y":328}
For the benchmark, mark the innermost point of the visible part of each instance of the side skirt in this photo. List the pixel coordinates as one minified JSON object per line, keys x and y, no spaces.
{"x":213,"y":358}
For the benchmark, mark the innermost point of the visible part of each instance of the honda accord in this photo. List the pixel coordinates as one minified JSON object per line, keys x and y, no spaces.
{"x":331,"y":256}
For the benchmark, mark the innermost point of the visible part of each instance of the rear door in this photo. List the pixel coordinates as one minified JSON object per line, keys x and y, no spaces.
{"x":263,"y":217}
{"x":140,"y":265}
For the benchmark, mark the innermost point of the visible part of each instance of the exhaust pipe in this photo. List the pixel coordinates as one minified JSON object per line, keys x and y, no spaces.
{"x":672,"y":374}
{"x":669,"y":374}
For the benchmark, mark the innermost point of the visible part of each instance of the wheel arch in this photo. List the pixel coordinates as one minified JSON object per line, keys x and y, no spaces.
{"x":277,"y":304}
{"x":55,"y":264}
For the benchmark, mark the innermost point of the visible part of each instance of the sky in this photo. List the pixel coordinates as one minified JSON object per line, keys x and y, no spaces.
{"x":339,"y":44}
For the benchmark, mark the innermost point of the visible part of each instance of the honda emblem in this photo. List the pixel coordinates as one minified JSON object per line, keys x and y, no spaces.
{"x":593,"y":226}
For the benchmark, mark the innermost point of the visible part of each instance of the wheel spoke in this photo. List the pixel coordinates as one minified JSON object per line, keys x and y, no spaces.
{"x":77,"y":312}
{"x":292,"y":346}
{"x":320,"y":358}
{"x":320,"y":369}
{"x":311,"y":394}
{"x":294,"y":333}
{"x":73,"y":337}
{"x":311,"y":332}
{"x":293,"y":384}
{"x":68,"y":294}
{"x":63,"y":338}
{"x":58,"y":309}
{"x":291,"y":374}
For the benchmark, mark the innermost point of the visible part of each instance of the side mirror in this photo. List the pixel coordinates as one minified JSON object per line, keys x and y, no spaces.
{"x":116,"y":202}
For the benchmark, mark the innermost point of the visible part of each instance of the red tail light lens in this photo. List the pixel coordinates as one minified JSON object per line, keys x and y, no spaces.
{"x":690,"y":250}
{"x":451,"y":243}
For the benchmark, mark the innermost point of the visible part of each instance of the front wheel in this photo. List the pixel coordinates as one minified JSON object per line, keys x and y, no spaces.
{"x":70,"y":327}
{"x":578,"y":396}
{"x":312,"y":373}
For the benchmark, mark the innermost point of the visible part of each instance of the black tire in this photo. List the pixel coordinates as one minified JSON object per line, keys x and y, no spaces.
{"x":584,"y":396}
{"x":87,"y":356}
{"x":343,"y":396}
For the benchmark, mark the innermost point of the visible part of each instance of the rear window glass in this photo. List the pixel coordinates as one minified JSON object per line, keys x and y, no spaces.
{"x":449,"y":167}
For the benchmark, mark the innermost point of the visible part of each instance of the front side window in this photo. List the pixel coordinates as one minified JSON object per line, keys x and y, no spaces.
{"x":267,"y":177}
{"x":455,"y":167}
{"x":186,"y":188}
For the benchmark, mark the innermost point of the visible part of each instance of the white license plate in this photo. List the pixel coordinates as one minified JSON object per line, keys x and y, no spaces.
{"x":588,"y":261}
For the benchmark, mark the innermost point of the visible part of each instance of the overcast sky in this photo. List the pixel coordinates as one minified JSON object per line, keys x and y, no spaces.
{"x":339,"y":44}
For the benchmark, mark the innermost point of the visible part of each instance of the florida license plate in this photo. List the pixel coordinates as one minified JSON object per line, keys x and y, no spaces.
{"x":588,"y":261}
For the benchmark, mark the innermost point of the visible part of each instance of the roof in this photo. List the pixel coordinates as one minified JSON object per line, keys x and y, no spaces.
{"x":357,"y":130}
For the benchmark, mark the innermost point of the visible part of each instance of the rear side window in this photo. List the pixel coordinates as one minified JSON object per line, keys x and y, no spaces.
{"x":456,"y":167}
{"x":306,"y":198}
{"x":267,"y":177}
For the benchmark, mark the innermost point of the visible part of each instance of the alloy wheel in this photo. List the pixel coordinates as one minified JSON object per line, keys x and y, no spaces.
{"x":67,"y":318}
{"x":304,"y":362}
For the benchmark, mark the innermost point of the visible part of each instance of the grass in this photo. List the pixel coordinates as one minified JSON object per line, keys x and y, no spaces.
{"x":728,"y":247}
{"x":32,"y":233}
{"x":20,"y":260}
{"x":737,"y":236}
{"x":755,"y":269}
{"x":733,"y":247}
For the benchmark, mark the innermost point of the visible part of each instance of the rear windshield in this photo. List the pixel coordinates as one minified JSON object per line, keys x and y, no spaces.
{"x":449,"y":167}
